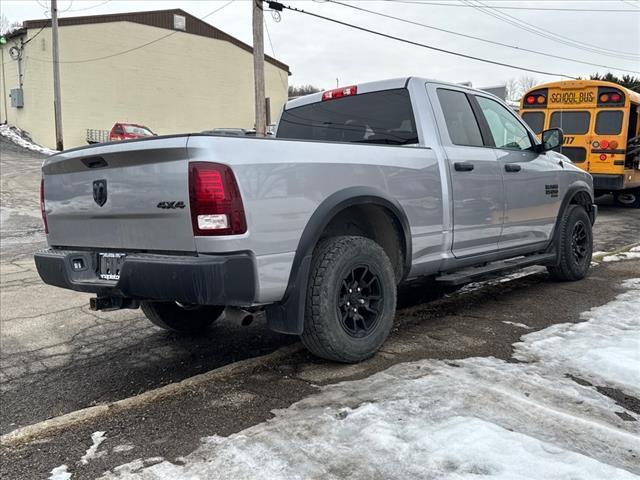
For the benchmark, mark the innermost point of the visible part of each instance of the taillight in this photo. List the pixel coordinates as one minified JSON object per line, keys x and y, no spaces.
{"x":43,"y":211}
{"x":536,"y":98}
{"x":613,"y":144}
{"x":214,"y":197}
{"x":610,"y":97}
{"x":339,"y":93}
{"x":604,"y":144}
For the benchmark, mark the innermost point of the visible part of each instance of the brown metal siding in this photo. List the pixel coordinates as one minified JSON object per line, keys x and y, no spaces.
{"x":157,"y":18}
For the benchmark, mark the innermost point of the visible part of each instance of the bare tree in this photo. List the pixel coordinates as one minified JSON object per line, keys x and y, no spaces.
{"x":517,"y":86}
{"x":6,"y":26}
{"x":302,"y":90}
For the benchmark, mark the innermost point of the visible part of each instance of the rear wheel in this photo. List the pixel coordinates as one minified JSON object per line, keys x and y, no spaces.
{"x":574,"y":245}
{"x":627,"y":198}
{"x":181,"y":318}
{"x":351,"y":299}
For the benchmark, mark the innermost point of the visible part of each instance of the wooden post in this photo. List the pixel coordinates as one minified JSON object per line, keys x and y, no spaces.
{"x":57,"y":103}
{"x":258,"y":68}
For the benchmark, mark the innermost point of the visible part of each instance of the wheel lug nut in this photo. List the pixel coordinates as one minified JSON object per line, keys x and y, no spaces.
{"x":355,"y":309}
{"x":361,"y":301}
{"x":348,"y":304}
{"x":359,"y":289}
{"x":350,"y":291}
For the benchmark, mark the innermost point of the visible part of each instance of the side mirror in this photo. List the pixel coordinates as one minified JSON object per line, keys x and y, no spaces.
{"x":552,"y":138}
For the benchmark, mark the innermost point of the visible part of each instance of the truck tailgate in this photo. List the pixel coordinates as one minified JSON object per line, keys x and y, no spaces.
{"x":120,"y":196}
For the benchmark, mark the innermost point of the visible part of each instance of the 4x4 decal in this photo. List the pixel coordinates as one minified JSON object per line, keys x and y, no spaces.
{"x":174,"y":204}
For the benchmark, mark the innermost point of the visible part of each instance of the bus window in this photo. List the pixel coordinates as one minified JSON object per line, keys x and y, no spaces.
{"x":535,"y":120}
{"x":609,"y":122}
{"x":571,"y":123}
{"x":575,"y":154}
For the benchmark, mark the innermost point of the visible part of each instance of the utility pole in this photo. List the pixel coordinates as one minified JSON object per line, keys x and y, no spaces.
{"x":258,"y":68}
{"x":57,"y":103}
{"x":4,"y":83}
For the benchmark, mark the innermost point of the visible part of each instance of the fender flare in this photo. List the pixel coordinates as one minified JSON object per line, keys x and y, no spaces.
{"x":571,"y":192}
{"x":287,"y":316}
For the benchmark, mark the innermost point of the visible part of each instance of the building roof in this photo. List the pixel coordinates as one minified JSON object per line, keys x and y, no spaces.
{"x":155,"y":18}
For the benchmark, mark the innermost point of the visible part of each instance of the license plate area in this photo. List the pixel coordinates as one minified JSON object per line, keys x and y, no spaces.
{"x":109,"y":265}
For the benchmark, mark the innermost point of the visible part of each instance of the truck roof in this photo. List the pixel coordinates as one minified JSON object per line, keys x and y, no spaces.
{"x":368,"y":87}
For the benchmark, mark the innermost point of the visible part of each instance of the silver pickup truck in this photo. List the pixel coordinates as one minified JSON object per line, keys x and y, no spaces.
{"x":363,"y":187}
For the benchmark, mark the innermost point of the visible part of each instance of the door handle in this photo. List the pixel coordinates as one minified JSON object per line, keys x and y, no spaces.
{"x":463,"y":166}
{"x":512,"y":167}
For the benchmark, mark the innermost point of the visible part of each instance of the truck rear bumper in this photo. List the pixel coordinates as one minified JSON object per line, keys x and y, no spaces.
{"x":199,"y":280}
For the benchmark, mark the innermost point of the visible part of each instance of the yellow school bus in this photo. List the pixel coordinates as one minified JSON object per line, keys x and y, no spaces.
{"x":601,"y":125}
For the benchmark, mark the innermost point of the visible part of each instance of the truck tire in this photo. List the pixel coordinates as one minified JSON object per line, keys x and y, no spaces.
{"x":171,"y":316}
{"x":351,"y":299}
{"x":627,"y":198}
{"x":574,"y":246}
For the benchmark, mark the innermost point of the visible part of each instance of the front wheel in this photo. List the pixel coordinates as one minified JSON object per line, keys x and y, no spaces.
{"x":627,"y":198}
{"x":351,"y":299}
{"x":574,"y":245}
{"x":181,"y":318}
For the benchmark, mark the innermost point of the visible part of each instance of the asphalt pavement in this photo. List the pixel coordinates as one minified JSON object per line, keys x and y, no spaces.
{"x":57,"y":357}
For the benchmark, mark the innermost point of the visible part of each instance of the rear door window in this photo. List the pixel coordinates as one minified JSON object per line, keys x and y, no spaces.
{"x":384,"y":117}
{"x":572,"y":123}
{"x":609,"y":122}
{"x":535,"y":120}
{"x":458,"y":115}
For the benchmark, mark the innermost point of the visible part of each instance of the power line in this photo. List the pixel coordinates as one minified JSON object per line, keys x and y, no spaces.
{"x":88,"y":8}
{"x":133,"y":48}
{"x":273,"y":52}
{"x":510,"y":7}
{"x":522,"y":49}
{"x":505,"y":17}
{"x":418,"y":44}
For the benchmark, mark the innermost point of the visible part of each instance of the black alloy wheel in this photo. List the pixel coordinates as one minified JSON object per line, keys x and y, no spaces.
{"x":360,"y":301}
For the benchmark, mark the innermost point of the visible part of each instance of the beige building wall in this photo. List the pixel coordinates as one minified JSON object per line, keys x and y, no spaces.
{"x":184,"y":83}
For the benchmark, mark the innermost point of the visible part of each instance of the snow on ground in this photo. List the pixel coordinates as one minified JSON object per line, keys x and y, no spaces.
{"x":452,"y":419}
{"x":60,"y":473}
{"x":92,"y":452}
{"x":633,"y":253}
{"x":19,"y":137}
{"x":604,"y":350}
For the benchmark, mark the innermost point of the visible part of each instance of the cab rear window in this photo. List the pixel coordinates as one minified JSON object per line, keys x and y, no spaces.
{"x":609,"y":122}
{"x":535,"y":120}
{"x":384,"y":117}
{"x":572,"y":123}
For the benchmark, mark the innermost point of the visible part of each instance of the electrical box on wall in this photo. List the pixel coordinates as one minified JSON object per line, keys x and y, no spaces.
{"x":17,"y":97}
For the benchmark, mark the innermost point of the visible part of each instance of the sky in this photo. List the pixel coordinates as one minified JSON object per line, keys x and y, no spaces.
{"x":324,"y":54}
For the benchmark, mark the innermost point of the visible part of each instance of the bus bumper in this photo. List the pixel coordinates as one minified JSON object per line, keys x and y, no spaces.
{"x":608,"y":183}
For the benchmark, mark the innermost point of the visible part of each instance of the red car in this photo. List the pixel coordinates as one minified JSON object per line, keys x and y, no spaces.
{"x":127,"y":131}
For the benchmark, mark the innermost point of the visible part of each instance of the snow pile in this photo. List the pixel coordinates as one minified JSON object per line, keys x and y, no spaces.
{"x":452,"y":420}
{"x":632,"y":254}
{"x":21,"y":138}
